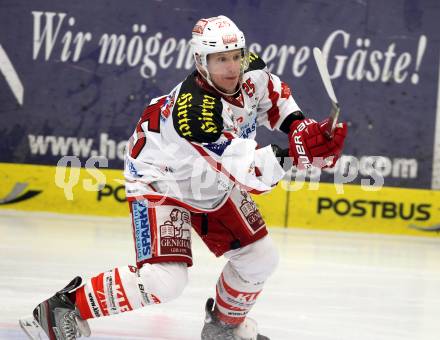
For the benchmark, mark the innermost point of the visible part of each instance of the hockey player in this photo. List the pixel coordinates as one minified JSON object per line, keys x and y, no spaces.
{"x":192,"y":163}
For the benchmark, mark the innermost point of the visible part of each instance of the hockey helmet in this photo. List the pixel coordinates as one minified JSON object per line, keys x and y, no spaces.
{"x":213,"y":35}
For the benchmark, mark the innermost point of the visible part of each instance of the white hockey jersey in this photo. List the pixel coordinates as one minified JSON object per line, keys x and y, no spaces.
{"x":195,"y":145}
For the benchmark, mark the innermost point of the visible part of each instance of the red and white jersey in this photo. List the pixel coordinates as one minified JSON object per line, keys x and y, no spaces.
{"x":194,"y":144}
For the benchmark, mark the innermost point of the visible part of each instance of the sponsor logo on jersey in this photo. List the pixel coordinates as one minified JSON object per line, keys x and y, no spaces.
{"x":168,"y":105}
{"x":94,"y":305}
{"x":236,"y":314}
{"x":247,"y":129}
{"x":121,"y":297}
{"x":253,"y":57}
{"x":18,"y":194}
{"x":149,"y":299}
{"x":250,"y":212}
{"x":142,"y":230}
{"x":132,"y":169}
{"x":111,"y":300}
{"x":175,"y":233}
{"x":208,"y":105}
{"x":247,"y":299}
{"x":183,"y":104}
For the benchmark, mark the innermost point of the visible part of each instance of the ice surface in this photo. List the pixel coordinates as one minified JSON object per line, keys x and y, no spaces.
{"x":328,"y":286}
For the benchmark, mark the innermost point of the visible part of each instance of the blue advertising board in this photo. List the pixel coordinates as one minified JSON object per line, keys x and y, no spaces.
{"x":75,"y":76}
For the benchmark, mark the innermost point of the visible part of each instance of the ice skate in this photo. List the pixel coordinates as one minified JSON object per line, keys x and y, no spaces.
{"x":214,"y":329}
{"x":57,"y":318}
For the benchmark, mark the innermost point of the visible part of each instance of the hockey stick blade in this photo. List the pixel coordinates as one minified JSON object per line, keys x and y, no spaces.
{"x":434,"y":228}
{"x":325,"y":76}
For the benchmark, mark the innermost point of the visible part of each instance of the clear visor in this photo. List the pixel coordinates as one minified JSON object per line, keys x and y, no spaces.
{"x":224,"y":70}
{"x":228,"y":62}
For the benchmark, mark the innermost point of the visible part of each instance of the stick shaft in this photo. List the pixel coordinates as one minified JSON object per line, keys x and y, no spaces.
{"x":325,"y":76}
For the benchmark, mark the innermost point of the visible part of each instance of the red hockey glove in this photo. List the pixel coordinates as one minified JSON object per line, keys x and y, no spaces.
{"x":308,"y":146}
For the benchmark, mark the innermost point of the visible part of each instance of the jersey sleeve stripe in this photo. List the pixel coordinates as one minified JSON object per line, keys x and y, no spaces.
{"x":273,"y":113}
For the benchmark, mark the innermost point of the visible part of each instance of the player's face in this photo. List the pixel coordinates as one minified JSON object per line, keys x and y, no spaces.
{"x":224,"y":68}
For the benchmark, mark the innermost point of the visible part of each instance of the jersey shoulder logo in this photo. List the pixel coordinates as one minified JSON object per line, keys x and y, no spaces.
{"x":197,"y":114}
{"x":255,"y":62}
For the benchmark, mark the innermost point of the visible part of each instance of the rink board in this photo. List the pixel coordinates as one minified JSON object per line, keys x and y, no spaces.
{"x":304,"y":205}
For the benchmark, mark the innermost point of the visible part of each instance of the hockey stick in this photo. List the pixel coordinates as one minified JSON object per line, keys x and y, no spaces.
{"x":323,"y":71}
{"x":11,"y":76}
{"x":434,"y":228}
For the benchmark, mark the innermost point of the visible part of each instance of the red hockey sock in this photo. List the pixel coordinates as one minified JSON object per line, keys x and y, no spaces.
{"x":234,"y":297}
{"x":112,"y":292}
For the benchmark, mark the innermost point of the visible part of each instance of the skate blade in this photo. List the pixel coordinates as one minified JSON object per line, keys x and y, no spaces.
{"x":32,"y":329}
